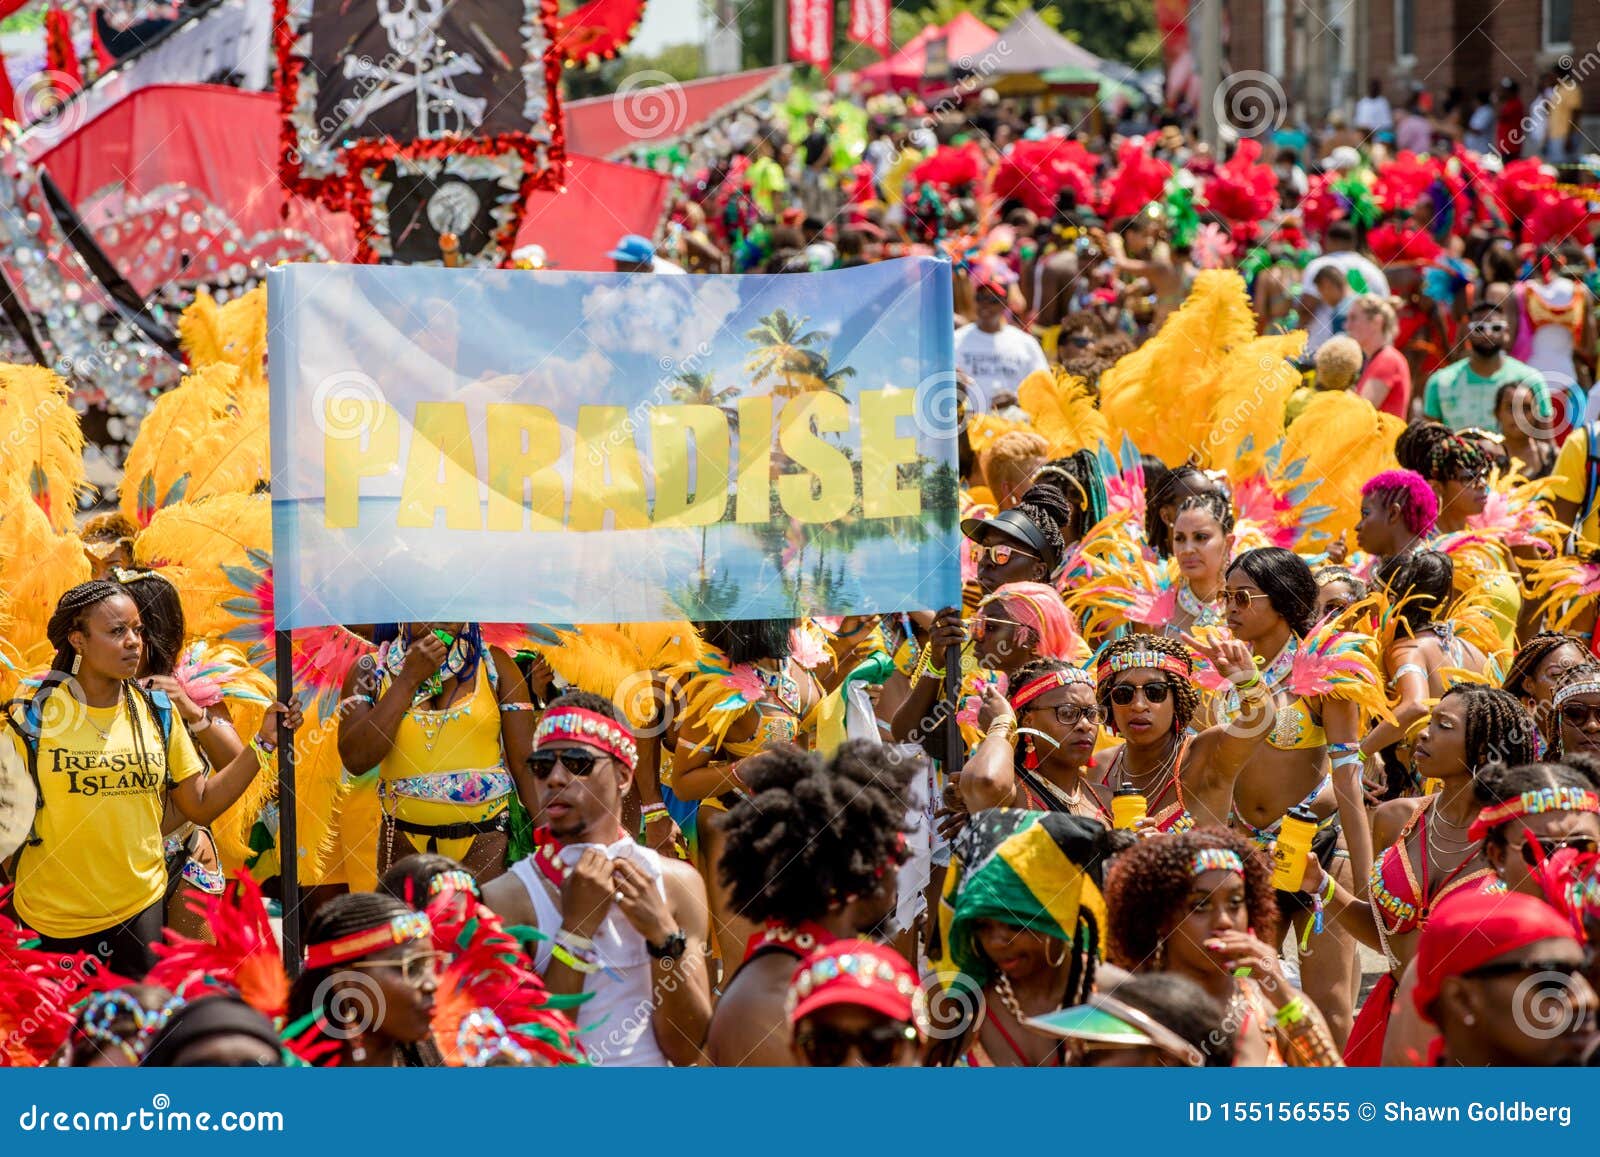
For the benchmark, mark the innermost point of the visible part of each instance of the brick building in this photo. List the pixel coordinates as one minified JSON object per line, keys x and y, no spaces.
{"x":1326,"y":51}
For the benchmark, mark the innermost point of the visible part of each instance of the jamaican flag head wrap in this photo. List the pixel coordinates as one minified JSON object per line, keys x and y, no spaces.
{"x":1036,"y":870}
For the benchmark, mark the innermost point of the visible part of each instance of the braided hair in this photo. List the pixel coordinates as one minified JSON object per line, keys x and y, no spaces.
{"x":68,"y":617}
{"x":1435,"y":452}
{"x":1499,"y":728}
{"x":1534,"y":652}
{"x":1048,"y":518}
{"x":1075,"y":485}
{"x":1286,"y":579}
{"x":1419,"y":583}
{"x":811,"y":833}
{"x":1149,"y":885}
{"x":1185,"y":699}
{"x":1215,"y":503}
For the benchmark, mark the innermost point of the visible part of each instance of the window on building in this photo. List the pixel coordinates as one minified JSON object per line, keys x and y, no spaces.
{"x":1557,"y":25}
{"x":1405,"y":30}
{"x":1275,"y":36}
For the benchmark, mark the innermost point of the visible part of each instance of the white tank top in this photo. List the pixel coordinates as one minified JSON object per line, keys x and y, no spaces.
{"x":614,"y":1024}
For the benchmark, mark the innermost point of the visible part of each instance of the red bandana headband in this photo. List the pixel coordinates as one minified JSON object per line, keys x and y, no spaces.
{"x":577,"y":725}
{"x":402,"y":929}
{"x":1532,"y":803}
{"x":1067,"y":677}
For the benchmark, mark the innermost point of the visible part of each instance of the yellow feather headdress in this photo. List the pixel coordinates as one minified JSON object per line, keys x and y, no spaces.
{"x":41,"y":444}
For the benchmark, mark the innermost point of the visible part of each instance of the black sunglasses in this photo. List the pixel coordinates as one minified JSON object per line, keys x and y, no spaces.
{"x":827,"y":1048}
{"x":1585,"y":845}
{"x":1122,"y":694}
{"x":1579,"y":714}
{"x":580,"y":763}
{"x":1557,"y":969}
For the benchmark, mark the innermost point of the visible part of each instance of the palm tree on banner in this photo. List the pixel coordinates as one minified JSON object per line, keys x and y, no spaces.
{"x":697,"y":389}
{"x":693,"y":388}
{"x":818,"y":374}
{"x":784,"y":349}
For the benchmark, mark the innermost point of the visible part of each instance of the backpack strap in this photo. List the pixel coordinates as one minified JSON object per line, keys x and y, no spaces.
{"x":160,"y":707}
{"x":1591,"y":483}
{"x":25,"y":717}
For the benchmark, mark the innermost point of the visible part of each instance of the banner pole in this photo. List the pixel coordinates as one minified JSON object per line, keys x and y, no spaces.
{"x":955,"y":753}
{"x":288,"y":836}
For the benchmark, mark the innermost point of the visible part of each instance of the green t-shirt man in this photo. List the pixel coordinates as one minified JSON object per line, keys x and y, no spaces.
{"x":1460,"y":398}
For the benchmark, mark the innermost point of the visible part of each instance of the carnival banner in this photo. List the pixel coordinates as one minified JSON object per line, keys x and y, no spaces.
{"x":869,"y":25}
{"x":811,"y":32}
{"x":511,"y":446}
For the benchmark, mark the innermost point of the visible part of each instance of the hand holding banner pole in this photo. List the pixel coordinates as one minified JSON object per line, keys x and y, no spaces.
{"x":288,"y":837}
{"x":955,"y":753}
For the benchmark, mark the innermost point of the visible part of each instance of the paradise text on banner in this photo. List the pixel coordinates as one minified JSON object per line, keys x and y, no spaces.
{"x":540,"y":446}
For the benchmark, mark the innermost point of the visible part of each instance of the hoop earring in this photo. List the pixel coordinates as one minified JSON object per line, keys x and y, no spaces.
{"x":1056,"y":963}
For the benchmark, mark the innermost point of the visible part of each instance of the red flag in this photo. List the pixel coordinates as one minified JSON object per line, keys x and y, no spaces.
{"x":60,"y":55}
{"x":869,"y":24}
{"x":811,"y":32}
{"x":8,"y":97}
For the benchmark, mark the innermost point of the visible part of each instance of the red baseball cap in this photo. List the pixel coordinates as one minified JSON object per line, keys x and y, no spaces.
{"x":857,"y":972}
{"x":1471,"y":929}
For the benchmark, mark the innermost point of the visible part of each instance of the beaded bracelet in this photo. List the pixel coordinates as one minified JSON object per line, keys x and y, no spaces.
{"x":518,"y":707}
{"x":1253,"y":681}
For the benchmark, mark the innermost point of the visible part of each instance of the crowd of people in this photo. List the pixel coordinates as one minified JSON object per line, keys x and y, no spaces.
{"x":1279,"y":707}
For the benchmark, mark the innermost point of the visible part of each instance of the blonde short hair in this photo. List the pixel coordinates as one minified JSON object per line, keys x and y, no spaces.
{"x":1372,"y":305}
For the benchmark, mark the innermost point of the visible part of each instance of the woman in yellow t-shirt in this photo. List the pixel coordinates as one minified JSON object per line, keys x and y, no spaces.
{"x":92,"y":878}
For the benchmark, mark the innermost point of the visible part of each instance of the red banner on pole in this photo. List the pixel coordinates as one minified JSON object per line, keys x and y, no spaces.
{"x":869,"y":24}
{"x":811,"y":32}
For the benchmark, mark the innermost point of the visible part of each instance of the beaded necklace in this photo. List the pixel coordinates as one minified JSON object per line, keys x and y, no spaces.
{"x":1203,"y":614}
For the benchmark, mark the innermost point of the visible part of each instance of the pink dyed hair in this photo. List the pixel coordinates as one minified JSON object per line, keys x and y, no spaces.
{"x":1039,"y":608}
{"x":1419,"y":506}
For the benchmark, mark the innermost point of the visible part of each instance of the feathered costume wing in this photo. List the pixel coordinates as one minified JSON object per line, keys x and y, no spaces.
{"x":241,"y":953}
{"x":1158,"y":395}
{"x":43,"y":459}
{"x":40,"y":992}
{"x":1343,"y":441}
{"x":38,"y":564}
{"x":1063,"y":411}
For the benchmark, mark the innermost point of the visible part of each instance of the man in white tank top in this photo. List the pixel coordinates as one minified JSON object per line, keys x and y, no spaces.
{"x":625,"y":926}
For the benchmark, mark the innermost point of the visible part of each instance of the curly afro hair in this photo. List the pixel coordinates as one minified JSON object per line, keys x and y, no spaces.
{"x":1149,"y":885}
{"x":1185,"y":699}
{"x":812,"y":833}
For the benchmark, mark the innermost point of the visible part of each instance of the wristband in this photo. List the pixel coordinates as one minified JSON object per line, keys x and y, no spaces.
{"x":1343,"y":748}
{"x":197,"y":728}
{"x":1253,"y":681}
{"x":1292,"y":1013}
